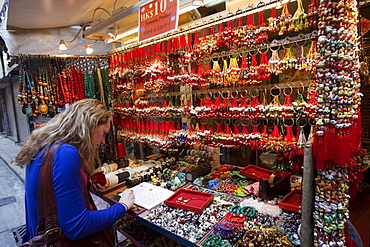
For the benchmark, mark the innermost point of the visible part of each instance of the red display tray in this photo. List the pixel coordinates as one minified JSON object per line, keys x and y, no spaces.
{"x":292,"y":201}
{"x":195,"y":201}
{"x":256,"y":172}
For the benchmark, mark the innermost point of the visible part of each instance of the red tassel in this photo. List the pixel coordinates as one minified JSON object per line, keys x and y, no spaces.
{"x":254,"y":61}
{"x":261,"y":19}
{"x":243,"y":102}
{"x":212,"y":31}
{"x":250,"y":21}
{"x":201,"y":103}
{"x":264,"y":131}
{"x":227,"y":129}
{"x":175,"y":44}
{"x":219,"y":129}
{"x":189,"y":44}
{"x":264,"y":59}
{"x":240,"y":21}
{"x":244,"y":63}
{"x":169,"y":46}
{"x":289,"y":137}
{"x":183,"y":41}
{"x":204,"y":34}
{"x":245,"y":130}
{"x":255,"y":130}
{"x":236,"y":129}
{"x":273,"y":13}
{"x":200,"y":69}
{"x":196,"y":38}
{"x":235,"y":103}
{"x":220,"y":28}
{"x":230,"y":25}
{"x":163,"y":51}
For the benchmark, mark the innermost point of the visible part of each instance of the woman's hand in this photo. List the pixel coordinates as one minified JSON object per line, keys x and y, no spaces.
{"x":127,"y":199}
{"x":95,"y":187}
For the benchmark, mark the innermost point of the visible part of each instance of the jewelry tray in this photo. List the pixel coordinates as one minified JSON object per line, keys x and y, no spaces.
{"x":256,"y":173}
{"x":195,"y":201}
{"x":292,"y":201}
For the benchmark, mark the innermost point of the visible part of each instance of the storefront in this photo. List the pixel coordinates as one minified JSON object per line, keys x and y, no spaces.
{"x":239,"y":128}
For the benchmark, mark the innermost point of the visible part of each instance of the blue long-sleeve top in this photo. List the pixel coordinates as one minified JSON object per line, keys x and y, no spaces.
{"x":74,"y":219}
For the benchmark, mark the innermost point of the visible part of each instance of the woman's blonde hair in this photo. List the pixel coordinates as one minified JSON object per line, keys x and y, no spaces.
{"x":73,"y":126}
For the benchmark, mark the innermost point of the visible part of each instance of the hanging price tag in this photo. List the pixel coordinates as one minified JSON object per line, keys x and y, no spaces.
{"x":157,"y":18}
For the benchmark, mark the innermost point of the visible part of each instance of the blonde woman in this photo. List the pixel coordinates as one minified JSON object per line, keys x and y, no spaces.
{"x":79,"y":130}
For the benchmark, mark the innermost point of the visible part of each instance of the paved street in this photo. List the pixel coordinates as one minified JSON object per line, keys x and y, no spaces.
{"x":12,"y":215}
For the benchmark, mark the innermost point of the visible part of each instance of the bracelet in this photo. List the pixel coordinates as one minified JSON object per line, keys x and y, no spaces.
{"x":125,"y":205}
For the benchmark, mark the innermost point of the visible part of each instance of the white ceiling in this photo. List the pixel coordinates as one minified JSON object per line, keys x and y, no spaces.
{"x":36,"y":26}
{"x":38,"y":14}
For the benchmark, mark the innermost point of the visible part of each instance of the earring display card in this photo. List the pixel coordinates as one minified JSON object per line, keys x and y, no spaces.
{"x":148,"y":195}
{"x":195,"y":201}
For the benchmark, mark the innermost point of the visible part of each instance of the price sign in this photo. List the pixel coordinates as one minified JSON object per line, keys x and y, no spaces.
{"x":157,"y":17}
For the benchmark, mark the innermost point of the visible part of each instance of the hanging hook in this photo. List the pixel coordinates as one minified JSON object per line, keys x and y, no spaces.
{"x":291,"y":90}
{"x":275,"y":43}
{"x":302,"y":86}
{"x":284,"y":121}
{"x":275,"y":87}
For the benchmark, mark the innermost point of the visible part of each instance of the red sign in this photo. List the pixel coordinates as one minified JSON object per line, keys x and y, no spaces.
{"x":157,"y":17}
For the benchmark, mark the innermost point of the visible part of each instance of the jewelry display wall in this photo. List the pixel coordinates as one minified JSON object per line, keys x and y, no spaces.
{"x":242,"y":92}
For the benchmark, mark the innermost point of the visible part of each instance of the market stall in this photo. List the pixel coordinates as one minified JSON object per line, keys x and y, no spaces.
{"x":250,"y":122}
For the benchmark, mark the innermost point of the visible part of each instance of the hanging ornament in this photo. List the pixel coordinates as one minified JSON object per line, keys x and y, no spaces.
{"x":274,"y":142}
{"x":253,"y":70}
{"x":233,"y":70}
{"x":224,"y":75}
{"x":243,"y":71}
{"x":273,"y":22}
{"x":263,"y":69}
{"x":240,"y":32}
{"x":312,"y":14}
{"x":310,"y":58}
{"x":275,"y":108}
{"x":234,"y":110}
{"x":299,"y":19}
{"x":299,"y":105}
{"x":289,"y":60}
{"x":285,"y":20}
{"x":261,"y":31}
{"x":255,"y":139}
{"x":215,"y":72}
{"x":274,"y":61}
{"x":287,"y":107}
{"x":301,"y":63}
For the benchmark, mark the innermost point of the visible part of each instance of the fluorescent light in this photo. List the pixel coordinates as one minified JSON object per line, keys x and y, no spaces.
{"x":122,"y":35}
{"x":198,"y":3}
{"x":187,"y":9}
{"x":192,"y":7}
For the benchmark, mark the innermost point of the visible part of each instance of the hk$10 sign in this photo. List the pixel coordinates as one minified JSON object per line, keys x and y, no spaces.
{"x":157,"y":17}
